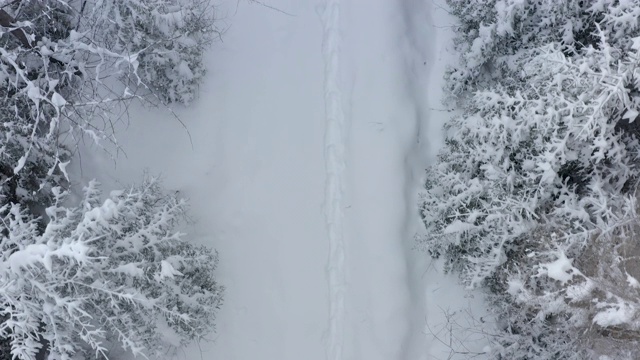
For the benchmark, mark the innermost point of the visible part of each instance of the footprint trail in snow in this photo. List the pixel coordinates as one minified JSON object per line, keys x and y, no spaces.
{"x":334,"y":142}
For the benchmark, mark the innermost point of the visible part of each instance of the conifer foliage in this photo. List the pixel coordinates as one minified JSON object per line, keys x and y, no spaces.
{"x":534,"y":196}
{"x":104,"y":271}
{"x":77,"y":279}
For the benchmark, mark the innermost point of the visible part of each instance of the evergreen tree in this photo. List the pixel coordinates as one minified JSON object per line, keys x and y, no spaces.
{"x":533,"y":197}
{"x":73,"y":279}
{"x":104,"y":271}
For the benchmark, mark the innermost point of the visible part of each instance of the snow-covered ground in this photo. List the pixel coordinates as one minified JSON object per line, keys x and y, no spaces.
{"x":302,"y":161}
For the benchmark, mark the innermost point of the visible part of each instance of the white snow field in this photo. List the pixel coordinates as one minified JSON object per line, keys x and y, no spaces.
{"x":302,"y":162}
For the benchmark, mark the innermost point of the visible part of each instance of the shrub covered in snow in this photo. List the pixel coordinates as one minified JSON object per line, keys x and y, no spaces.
{"x":104,"y":271}
{"x":534,"y":195}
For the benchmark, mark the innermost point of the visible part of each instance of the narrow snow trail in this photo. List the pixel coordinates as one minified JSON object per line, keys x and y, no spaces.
{"x":385,"y":296}
{"x":334,"y":138}
{"x":308,"y":144}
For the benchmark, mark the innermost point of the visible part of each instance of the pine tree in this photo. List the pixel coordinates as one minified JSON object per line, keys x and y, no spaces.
{"x":166,"y":39}
{"x":75,"y":279}
{"x":533,"y":197}
{"x":104,"y":271}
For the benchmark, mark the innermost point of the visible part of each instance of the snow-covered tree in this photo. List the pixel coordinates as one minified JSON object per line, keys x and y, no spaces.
{"x":534,"y":196}
{"x":60,"y":62}
{"x":166,"y":37}
{"x":495,"y":36}
{"x":549,"y":149}
{"x":105,"y":271}
{"x":75,"y":279}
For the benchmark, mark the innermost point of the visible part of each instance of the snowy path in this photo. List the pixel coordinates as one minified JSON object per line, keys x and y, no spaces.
{"x":335,"y":163}
{"x":385,"y":297}
{"x":309,"y":142}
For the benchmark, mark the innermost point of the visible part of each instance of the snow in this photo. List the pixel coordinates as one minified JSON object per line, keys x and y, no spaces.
{"x":185,"y":71}
{"x":57,"y":100}
{"x":167,"y":271}
{"x":33,"y":92}
{"x":458,"y":226}
{"x":633,"y":282}
{"x":63,"y":168}
{"x":21,"y":163}
{"x":102,"y":214}
{"x":25,"y":258}
{"x":32,"y":254}
{"x":620,"y":313}
{"x":335,"y":163}
{"x":561,"y":269}
{"x":631,"y":115}
{"x":302,"y":163}
{"x":515,"y":286}
{"x":580,"y":291}
{"x":129,"y":269}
